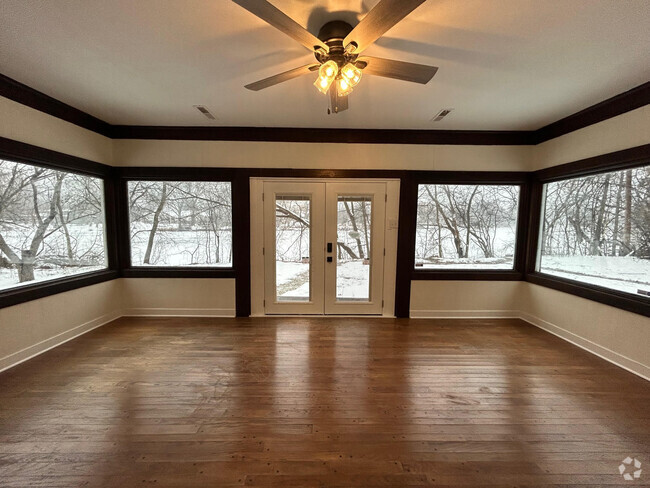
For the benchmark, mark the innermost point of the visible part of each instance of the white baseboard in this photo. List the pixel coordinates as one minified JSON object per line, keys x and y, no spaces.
{"x":464,"y":314}
{"x":178,"y":312}
{"x":23,"y":355}
{"x":613,"y":357}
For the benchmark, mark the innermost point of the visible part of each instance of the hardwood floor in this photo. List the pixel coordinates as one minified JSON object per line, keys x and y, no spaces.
{"x":320,"y":403}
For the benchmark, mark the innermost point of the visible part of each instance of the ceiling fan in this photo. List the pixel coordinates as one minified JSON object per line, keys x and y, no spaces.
{"x":338,"y":49}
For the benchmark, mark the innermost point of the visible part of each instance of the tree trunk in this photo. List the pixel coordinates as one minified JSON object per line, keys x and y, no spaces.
{"x":435,"y":193}
{"x":627,"y":222}
{"x":617,"y":211}
{"x":597,"y":238}
{"x":66,"y":233}
{"x":353,"y":221}
{"x":365,"y":226}
{"x":26,"y":266}
{"x":154,"y":226}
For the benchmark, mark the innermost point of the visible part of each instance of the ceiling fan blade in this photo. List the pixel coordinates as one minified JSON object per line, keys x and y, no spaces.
{"x":382,"y":17}
{"x":271,"y":15}
{"x":399,"y":70}
{"x":337,"y":104}
{"x":280,"y":77}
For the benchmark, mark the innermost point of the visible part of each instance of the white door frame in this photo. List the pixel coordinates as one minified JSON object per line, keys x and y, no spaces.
{"x":257,"y":237}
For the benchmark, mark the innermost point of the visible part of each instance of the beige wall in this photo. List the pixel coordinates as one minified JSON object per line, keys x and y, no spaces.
{"x":622,"y":132}
{"x":130,"y":152}
{"x":472,"y":299}
{"x":25,"y":124}
{"x":27,"y":329}
{"x":178,"y":296}
{"x":32,"y":327}
{"x":620,"y":336}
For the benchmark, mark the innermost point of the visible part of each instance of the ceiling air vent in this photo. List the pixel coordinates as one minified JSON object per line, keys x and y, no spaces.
{"x":204,"y":111}
{"x":442,"y":114}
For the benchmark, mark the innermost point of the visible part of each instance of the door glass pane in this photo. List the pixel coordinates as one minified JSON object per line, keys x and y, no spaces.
{"x":292,"y":248}
{"x":353,"y":233}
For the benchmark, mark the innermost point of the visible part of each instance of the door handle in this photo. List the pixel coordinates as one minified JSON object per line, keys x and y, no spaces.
{"x":329,"y":259}
{"x":329,"y":247}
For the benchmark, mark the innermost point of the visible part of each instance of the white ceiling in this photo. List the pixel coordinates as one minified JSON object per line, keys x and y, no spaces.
{"x":504,"y":64}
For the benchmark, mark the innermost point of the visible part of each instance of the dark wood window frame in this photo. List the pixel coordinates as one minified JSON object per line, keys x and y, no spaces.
{"x":169,"y":174}
{"x":619,"y":160}
{"x":520,"y":179}
{"x":36,"y":156}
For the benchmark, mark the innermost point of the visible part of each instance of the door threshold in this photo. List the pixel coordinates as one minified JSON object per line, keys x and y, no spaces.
{"x":323,"y":316}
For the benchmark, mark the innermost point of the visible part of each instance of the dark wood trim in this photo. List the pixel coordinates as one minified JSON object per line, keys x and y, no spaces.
{"x":21,"y":294}
{"x":624,"y":102}
{"x":325,"y":135}
{"x":111,"y":223}
{"x":178,"y":272}
{"x":627,"y":158}
{"x":18,"y":92}
{"x":626,"y":301}
{"x":408,"y":196}
{"x":241,"y":243}
{"x":523,"y":224}
{"x":177,"y":173}
{"x":122,"y":231}
{"x":470,"y":177}
{"x":465,"y":275}
{"x":29,"y":154}
{"x":535,"y":199}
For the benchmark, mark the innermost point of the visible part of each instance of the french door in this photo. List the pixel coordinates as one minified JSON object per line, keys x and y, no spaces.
{"x":323,"y":247}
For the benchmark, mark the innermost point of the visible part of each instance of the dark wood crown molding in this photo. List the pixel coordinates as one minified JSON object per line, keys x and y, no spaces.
{"x":349,"y":136}
{"x":39,"y":156}
{"x":18,"y":92}
{"x":624,"y":102}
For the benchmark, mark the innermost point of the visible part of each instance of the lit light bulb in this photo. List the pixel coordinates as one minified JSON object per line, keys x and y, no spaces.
{"x":326,"y":76}
{"x":329,"y":69}
{"x":351,"y":74}
{"x":343,"y":88}
{"x":323,"y":84}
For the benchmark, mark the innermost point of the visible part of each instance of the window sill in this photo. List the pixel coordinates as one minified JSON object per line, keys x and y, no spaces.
{"x":626,"y":301}
{"x":179,"y":272}
{"x":467,"y":275}
{"x":42,"y":289}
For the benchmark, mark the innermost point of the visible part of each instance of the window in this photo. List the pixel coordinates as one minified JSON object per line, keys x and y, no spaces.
{"x":180,"y":223}
{"x":468,"y":227}
{"x":51,"y":224}
{"x":596,"y":230}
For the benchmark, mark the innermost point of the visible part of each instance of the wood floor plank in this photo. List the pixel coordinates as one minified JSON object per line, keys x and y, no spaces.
{"x":314,"y":402}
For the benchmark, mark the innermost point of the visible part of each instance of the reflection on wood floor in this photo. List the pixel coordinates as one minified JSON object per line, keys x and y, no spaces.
{"x":325,"y":402}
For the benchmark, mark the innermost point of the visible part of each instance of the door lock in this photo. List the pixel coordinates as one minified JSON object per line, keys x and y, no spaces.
{"x":329,"y":247}
{"x":329,"y":259}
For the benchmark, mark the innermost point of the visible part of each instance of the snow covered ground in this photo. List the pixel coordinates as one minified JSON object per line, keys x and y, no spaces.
{"x":503,"y":245}
{"x":467,"y":263}
{"x":181,"y":247}
{"x":352,"y":280}
{"x":626,"y":274}
{"x":9,"y":277}
{"x":87,"y":241}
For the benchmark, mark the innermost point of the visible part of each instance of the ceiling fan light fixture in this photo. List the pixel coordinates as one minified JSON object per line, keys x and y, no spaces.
{"x":343,"y":88}
{"x":351,"y":74}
